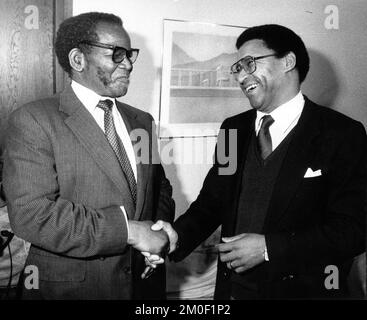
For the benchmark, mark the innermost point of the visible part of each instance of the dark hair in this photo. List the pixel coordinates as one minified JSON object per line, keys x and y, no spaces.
{"x":282,"y":40}
{"x":74,"y":30}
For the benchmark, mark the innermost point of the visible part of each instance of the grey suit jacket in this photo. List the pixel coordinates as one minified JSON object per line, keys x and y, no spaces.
{"x":65,"y":187}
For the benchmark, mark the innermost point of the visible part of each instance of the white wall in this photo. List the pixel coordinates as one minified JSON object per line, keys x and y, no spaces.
{"x":337,"y":77}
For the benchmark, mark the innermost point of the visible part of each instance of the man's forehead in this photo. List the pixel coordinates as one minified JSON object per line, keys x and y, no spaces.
{"x":111,"y":32}
{"x":253,"y":47}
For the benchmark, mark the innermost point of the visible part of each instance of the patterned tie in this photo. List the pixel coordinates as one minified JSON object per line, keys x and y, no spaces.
{"x":117,"y":146}
{"x":264,"y":138}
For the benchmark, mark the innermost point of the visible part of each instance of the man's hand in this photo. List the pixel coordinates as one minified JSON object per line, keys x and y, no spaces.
{"x":152,"y":260}
{"x":171,"y":233}
{"x":143,"y":238}
{"x":242,"y":252}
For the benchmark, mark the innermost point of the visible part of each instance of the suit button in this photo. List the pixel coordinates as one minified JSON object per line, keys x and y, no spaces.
{"x":225,"y":273}
{"x":127,"y":270}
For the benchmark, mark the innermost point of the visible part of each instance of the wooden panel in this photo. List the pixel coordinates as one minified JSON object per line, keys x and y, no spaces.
{"x":63,"y":10}
{"x":27,"y":63}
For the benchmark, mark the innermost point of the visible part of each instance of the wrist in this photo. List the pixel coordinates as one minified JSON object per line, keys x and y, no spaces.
{"x":131,"y":240}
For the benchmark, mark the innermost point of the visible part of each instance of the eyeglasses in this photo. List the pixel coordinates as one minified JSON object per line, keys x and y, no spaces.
{"x":248,"y":64}
{"x":118,"y":54}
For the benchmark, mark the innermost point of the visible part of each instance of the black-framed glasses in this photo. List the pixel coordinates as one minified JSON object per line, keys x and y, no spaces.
{"x":248,"y":64}
{"x":118,"y":54}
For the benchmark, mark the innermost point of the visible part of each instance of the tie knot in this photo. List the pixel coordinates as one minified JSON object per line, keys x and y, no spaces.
{"x":267,"y":121}
{"x":105,"y":105}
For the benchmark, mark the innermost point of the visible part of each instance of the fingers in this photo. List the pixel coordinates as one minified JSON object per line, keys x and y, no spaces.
{"x":241,"y":269}
{"x":237,"y":265}
{"x":228,"y":257}
{"x":231,"y":243}
{"x":151,"y":262}
{"x":230,"y":239}
{"x":171,"y":233}
{"x":147,"y":272}
{"x":145,"y":253}
{"x":158,"y":225}
{"x":150,"y":267}
{"x":152,"y":258}
{"x":142,"y":238}
{"x":225,"y":247}
{"x":165,"y":226}
{"x":242,"y":252}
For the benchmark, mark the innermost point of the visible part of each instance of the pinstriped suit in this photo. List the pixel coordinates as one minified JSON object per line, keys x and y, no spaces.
{"x":65,"y":188}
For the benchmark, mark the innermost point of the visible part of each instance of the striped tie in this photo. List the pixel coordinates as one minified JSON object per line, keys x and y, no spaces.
{"x":117,"y":146}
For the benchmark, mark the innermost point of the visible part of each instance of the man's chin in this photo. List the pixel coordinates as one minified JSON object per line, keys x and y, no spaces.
{"x":254,"y":103}
{"x":119,"y":92}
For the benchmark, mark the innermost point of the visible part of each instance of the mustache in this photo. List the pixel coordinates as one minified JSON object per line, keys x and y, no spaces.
{"x":106,"y":79}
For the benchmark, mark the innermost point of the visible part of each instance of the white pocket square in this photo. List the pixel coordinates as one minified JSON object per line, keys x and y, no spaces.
{"x":311,"y":174}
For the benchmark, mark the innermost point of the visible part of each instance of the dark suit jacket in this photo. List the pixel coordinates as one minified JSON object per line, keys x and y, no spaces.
{"x":65,"y":187}
{"x":310,"y":223}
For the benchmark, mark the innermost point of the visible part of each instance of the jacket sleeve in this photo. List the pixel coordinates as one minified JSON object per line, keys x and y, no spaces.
{"x":206,"y":213}
{"x":38,"y":213}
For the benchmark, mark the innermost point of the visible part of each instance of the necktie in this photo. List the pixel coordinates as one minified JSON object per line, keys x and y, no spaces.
{"x":264,"y":138}
{"x":117,"y":146}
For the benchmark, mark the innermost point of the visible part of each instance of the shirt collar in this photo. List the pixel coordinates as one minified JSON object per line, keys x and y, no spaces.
{"x":285,"y":114}
{"x":88,"y":97}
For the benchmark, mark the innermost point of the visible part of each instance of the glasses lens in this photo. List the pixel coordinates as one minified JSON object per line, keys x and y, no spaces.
{"x":248,"y":64}
{"x":118,"y":55}
{"x":132,"y":55}
{"x":236,"y":68}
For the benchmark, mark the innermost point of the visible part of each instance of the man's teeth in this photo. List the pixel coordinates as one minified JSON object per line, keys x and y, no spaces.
{"x":251,"y":87}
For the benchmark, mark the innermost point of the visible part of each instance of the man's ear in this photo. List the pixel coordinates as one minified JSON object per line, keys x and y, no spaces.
{"x":290,"y":61}
{"x":77,"y":59}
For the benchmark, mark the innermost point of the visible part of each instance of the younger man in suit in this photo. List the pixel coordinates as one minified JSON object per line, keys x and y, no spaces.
{"x":295,"y":209}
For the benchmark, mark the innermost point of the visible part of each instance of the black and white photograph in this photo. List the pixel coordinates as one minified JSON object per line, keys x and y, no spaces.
{"x":186,"y":153}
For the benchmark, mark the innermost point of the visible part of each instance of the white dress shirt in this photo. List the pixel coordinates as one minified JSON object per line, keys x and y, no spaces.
{"x":90,"y":100}
{"x":285,"y":117}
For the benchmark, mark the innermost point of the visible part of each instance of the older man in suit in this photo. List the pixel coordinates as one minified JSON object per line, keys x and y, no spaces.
{"x":293,"y":213}
{"x":77,"y":188}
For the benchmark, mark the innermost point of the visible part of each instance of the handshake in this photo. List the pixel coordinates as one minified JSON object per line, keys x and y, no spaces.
{"x":154,"y":241}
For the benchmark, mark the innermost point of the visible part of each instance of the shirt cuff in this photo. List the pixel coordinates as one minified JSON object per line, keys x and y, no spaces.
{"x":265,"y":253}
{"x":126,"y":220}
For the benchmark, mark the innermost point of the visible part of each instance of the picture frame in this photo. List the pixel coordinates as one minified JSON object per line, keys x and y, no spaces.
{"x":197,"y":90}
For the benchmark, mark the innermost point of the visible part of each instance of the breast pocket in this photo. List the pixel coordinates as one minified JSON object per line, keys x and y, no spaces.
{"x":311,"y":195}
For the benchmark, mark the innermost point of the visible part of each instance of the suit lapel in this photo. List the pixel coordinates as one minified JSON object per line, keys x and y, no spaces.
{"x":89,"y":134}
{"x":299,"y":154}
{"x":132,"y":123}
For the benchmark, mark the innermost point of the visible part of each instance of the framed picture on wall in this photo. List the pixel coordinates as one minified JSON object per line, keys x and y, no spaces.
{"x":198,"y":91}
